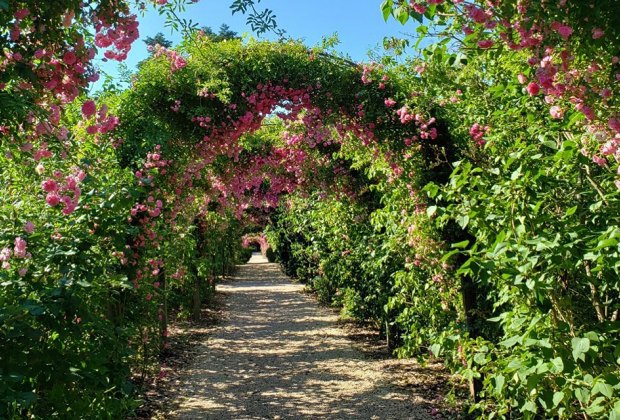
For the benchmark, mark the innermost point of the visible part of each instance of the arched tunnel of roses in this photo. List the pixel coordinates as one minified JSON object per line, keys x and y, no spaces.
{"x":463,"y":199}
{"x":241,"y":125}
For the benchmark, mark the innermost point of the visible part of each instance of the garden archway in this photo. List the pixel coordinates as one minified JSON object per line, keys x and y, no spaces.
{"x":196,"y":113}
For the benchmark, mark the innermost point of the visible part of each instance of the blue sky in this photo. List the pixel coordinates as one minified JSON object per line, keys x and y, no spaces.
{"x":359,"y":24}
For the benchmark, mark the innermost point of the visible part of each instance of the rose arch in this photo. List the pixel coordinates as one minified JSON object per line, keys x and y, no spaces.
{"x":234,"y":126}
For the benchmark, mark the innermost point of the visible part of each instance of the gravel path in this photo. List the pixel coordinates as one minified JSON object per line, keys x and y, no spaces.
{"x":280,"y":356}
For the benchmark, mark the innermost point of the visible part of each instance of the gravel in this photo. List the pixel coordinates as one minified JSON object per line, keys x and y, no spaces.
{"x":278,"y":355}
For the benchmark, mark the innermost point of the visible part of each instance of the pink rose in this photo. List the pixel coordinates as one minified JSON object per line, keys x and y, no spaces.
{"x":52,"y":199}
{"x":597,"y":33}
{"x":20,"y":247}
{"x":599,"y":161}
{"x":533,"y":89}
{"x":556,"y":112}
{"x":610,"y":148}
{"x":69,"y":58}
{"x":49,"y":185}
{"x":21,"y":14}
{"x":565,"y":31}
{"x":419,"y":8}
{"x":29,"y":227}
{"x":89,"y":108}
{"x":5,"y":254}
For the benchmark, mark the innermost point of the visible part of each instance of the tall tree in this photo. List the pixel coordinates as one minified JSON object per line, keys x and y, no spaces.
{"x":225,"y":33}
{"x":158,"y":39}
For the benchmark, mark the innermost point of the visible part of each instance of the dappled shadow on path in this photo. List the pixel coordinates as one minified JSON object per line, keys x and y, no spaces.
{"x":278,"y":355}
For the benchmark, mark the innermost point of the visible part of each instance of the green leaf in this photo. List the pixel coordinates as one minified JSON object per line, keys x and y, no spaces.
{"x":422,"y":30}
{"x":550,"y":144}
{"x":603,"y":388}
{"x":463,"y":221}
{"x":582,"y":395}
{"x":595,"y":406}
{"x":557,"y":398}
{"x":575,"y":117}
{"x":510,"y":341}
{"x":499,"y":383}
{"x":461,"y":245}
{"x":431,"y":189}
{"x":386,"y":9}
{"x":35,"y":310}
{"x":401,"y":13}
{"x":417,"y":16}
{"x":529,"y":406}
{"x":614,"y":414}
{"x":558,"y":365}
{"x":580,"y":347}
{"x":480,"y":358}
{"x":83,"y":283}
{"x":571,"y":211}
{"x":431,"y":211}
{"x":607,"y":243}
{"x":592,"y":336}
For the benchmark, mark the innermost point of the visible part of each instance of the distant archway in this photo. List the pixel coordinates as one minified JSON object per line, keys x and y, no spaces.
{"x":256,"y":239}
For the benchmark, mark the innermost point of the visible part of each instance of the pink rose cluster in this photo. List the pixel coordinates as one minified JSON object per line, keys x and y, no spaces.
{"x":177,"y":62}
{"x":64,"y":191}
{"x":154,"y":160}
{"x":120,"y":36}
{"x":19,"y":251}
{"x":564,"y":81}
{"x":100,"y":121}
{"x":58,"y":69}
{"x":178,"y":274}
{"x":477,"y":133}
{"x":367,"y":75}
{"x":153,"y":208}
{"x":425,"y":130}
